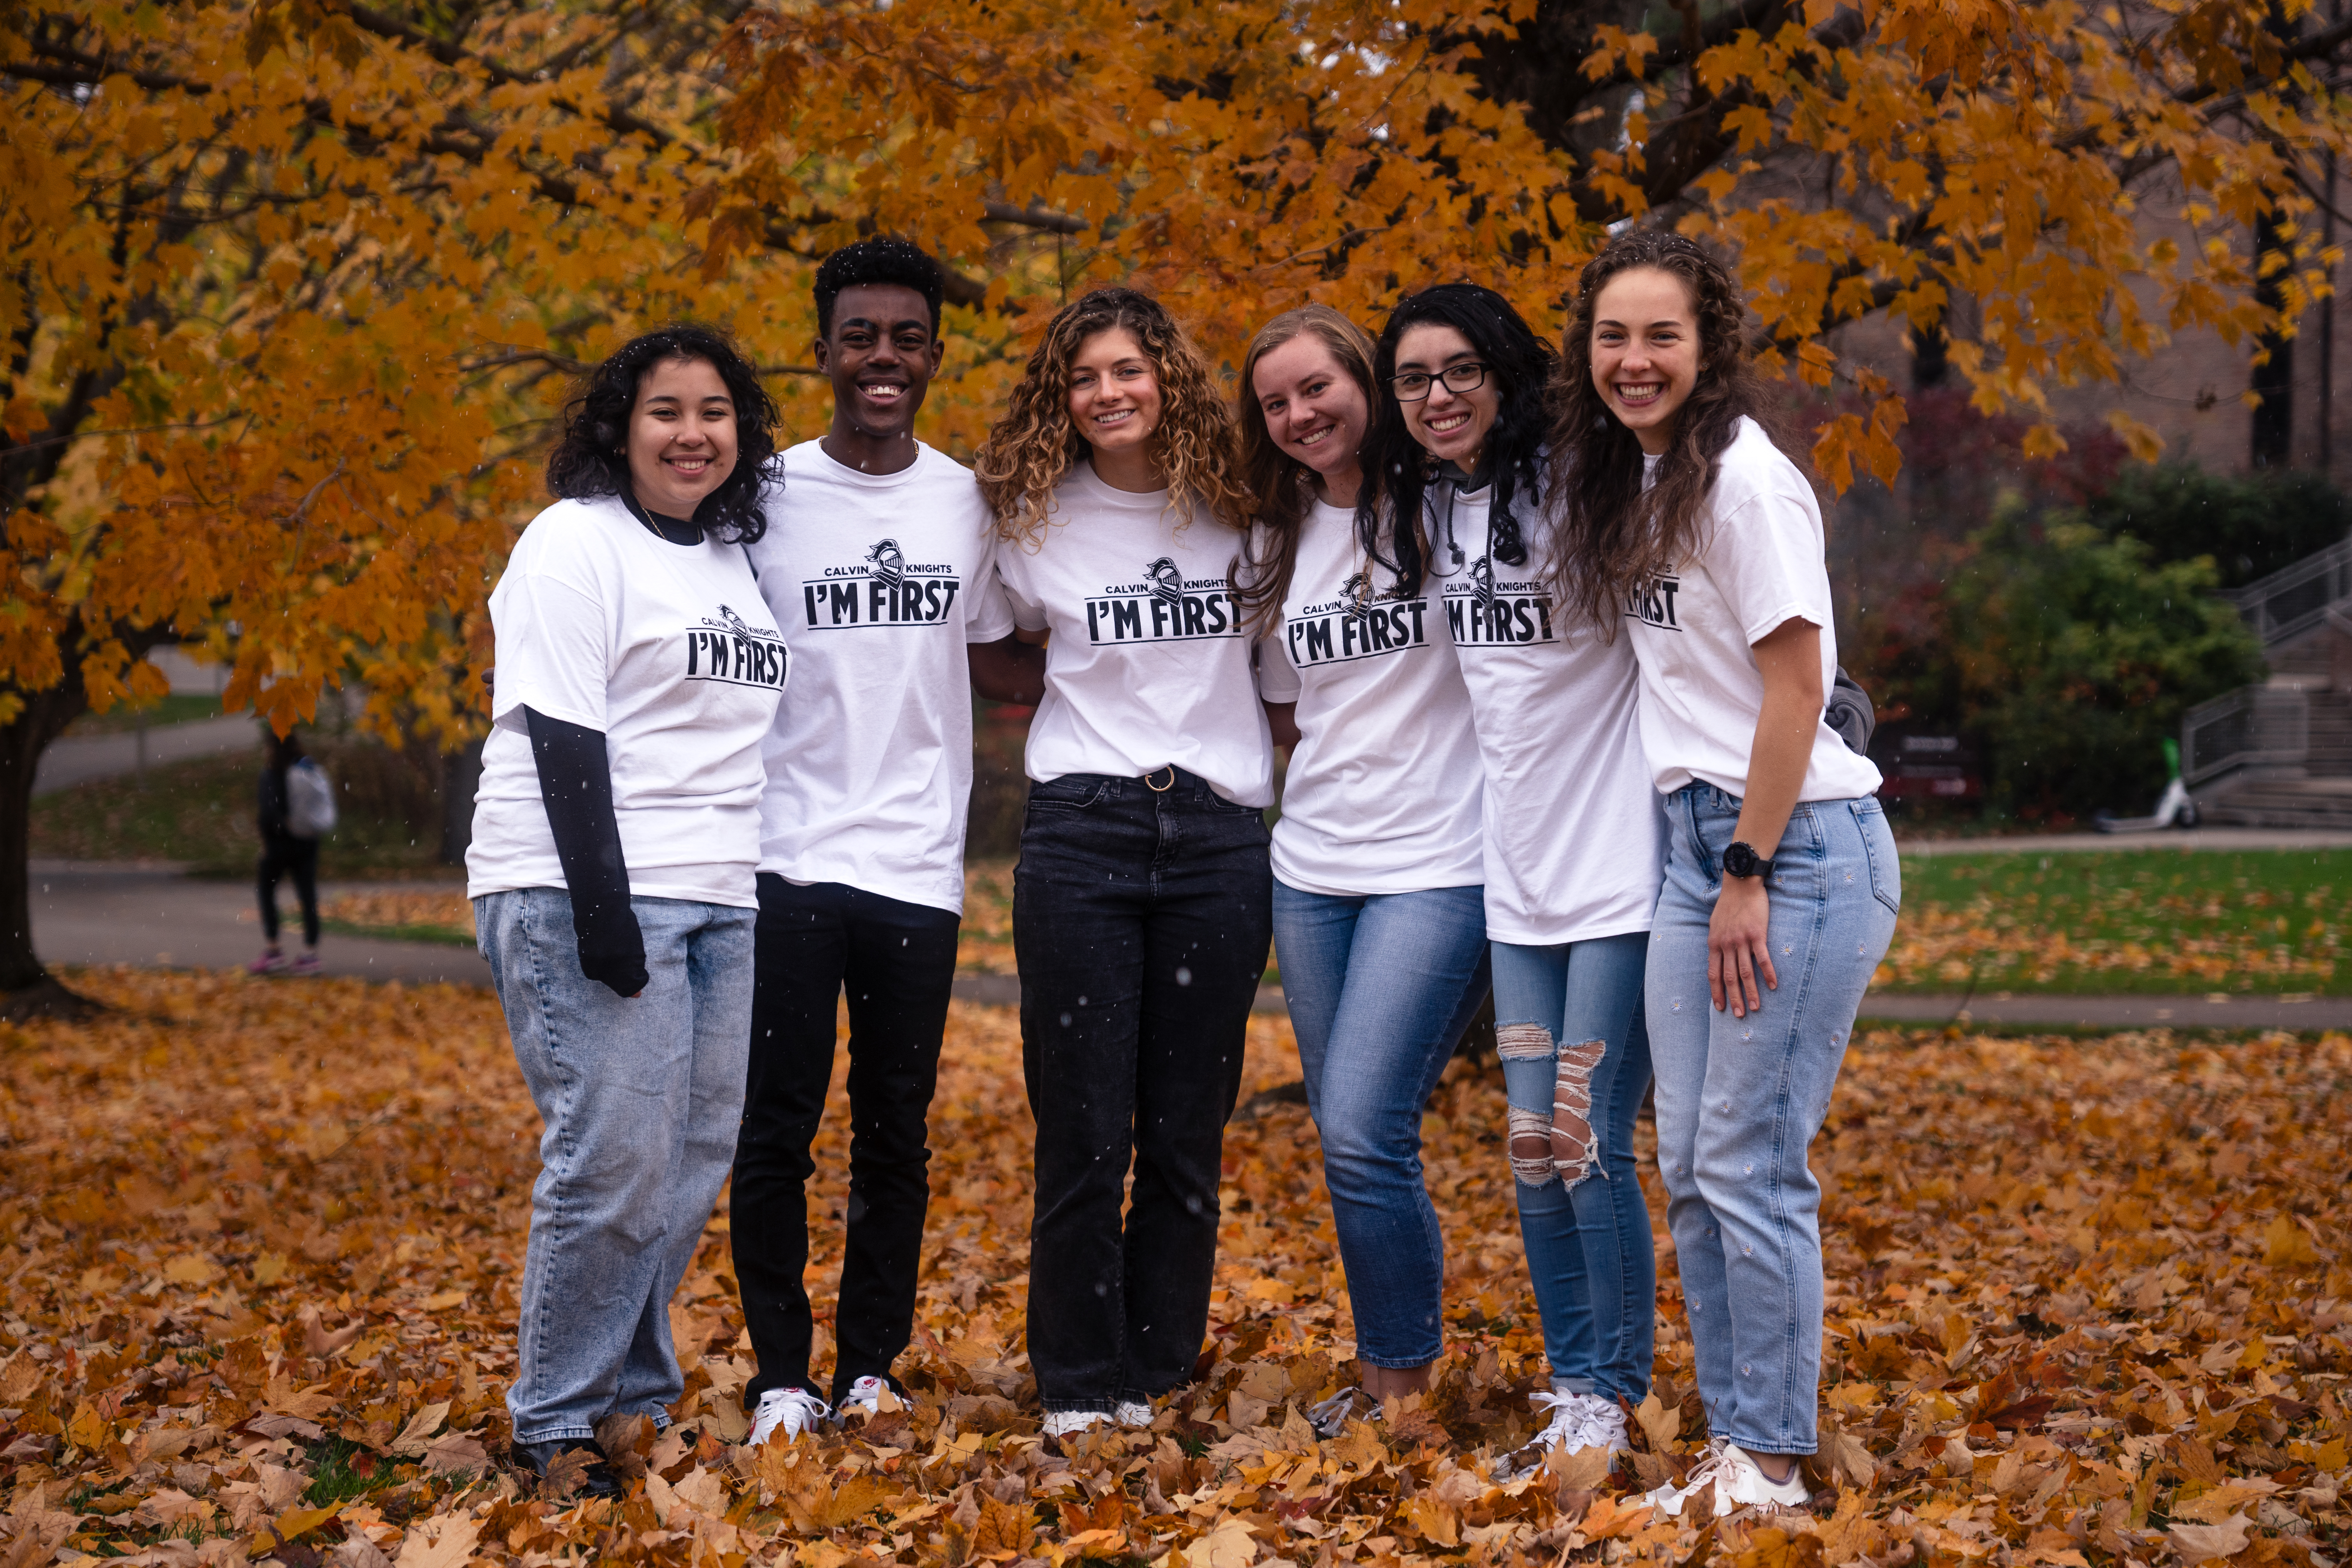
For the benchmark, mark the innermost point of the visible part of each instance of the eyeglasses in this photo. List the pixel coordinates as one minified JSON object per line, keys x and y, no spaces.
{"x":1413,"y":386}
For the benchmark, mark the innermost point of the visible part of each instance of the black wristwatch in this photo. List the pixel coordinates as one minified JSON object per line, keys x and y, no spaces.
{"x":1741,"y":860}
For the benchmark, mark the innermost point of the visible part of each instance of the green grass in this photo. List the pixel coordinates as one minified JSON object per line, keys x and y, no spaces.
{"x":122,"y":717}
{"x":2153,"y":921}
{"x":341,"y":1471}
{"x":203,"y":811}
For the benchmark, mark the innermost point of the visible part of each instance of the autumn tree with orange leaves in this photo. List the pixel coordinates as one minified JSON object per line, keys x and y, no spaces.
{"x":289,"y":287}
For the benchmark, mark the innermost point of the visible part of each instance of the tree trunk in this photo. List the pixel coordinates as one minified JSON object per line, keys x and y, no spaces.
{"x":28,"y":988}
{"x":2273,"y":379}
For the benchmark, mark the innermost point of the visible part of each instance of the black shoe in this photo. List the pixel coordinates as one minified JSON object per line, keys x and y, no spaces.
{"x":597,"y":1477}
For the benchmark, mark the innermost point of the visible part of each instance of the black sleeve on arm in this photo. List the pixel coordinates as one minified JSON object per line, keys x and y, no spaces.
{"x":575,"y":780}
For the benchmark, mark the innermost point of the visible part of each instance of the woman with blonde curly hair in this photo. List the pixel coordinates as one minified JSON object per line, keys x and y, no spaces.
{"x":1141,"y":907}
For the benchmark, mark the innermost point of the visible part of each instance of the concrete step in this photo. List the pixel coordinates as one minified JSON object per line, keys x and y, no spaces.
{"x":2286,"y":802}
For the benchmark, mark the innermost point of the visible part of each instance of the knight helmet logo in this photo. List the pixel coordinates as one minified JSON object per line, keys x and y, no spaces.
{"x":1167,"y":582}
{"x":889,"y":565}
{"x":742,"y":629}
{"x":1482,"y":579}
{"x":1358,"y":591}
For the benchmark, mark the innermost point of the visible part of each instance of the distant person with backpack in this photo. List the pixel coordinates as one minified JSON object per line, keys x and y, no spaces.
{"x":298,"y":808}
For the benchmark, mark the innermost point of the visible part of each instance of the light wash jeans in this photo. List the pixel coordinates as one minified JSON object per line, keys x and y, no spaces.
{"x":1590,"y":1255}
{"x":1740,"y":1098}
{"x":640,"y":1098}
{"x":1380,"y":988}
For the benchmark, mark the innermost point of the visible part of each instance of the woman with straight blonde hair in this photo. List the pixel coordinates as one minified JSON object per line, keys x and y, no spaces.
{"x":1378,"y":912}
{"x":1140,"y":908}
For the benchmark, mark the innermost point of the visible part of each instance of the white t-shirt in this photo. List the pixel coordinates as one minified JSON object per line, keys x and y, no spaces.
{"x":1383,"y":788}
{"x":1760,"y":564}
{"x":666,"y":648}
{"x":1575,"y":839}
{"x":1147,"y":665}
{"x":879,"y":582}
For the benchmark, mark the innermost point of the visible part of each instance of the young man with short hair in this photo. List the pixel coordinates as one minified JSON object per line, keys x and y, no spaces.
{"x":878,"y":562}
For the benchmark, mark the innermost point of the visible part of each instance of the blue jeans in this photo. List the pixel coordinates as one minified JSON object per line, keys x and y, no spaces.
{"x":1740,"y":1098}
{"x":1586,"y":1227}
{"x":1380,"y":988}
{"x":640,"y":1098}
{"x":1139,"y":924}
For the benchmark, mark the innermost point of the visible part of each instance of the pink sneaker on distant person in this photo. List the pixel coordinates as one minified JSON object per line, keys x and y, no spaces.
{"x":307,"y":963}
{"x":272,"y":961}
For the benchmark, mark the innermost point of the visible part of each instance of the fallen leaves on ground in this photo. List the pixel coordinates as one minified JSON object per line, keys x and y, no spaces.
{"x":258,"y":1253}
{"x":985,"y":944}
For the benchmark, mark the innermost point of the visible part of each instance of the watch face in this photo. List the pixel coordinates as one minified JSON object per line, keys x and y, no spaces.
{"x":1739,"y":860}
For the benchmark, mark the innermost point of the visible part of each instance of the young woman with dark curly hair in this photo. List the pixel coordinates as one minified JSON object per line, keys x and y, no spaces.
{"x":1379,"y":919}
{"x":1570,"y":830}
{"x":1139,"y":912}
{"x":617,"y":831}
{"x":1682,"y":518}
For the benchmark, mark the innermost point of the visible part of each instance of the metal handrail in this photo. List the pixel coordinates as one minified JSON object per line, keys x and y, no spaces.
{"x":2294,"y":599}
{"x":2254,"y":726}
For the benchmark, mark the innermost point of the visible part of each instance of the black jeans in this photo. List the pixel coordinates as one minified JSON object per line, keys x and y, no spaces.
{"x":284,"y":855}
{"x":897,"y":963}
{"x":1140,"y":919}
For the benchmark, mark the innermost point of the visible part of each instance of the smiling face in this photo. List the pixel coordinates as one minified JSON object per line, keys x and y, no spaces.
{"x":880,"y":357}
{"x":681,"y":435}
{"x":1451,"y":425}
{"x":1645,"y":351}
{"x":1313,"y":407}
{"x":1114,"y":394}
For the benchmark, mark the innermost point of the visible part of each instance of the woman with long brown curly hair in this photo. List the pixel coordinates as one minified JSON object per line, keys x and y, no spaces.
{"x":1139,"y":907}
{"x":1680,"y":515}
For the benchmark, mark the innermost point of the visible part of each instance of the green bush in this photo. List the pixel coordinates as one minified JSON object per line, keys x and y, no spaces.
{"x":2073,"y":653}
{"x":2249,"y":524}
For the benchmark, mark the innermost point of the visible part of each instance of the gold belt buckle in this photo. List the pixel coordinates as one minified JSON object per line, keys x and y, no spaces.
{"x":1161,"y":788}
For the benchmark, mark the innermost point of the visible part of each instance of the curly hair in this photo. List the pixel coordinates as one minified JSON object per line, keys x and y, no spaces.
{"x":592,"y":457}
{"x":1611,"y":537}
{"x":1280,"y":482}
{"x":1397,"y":470}
{"x":885,"y":258}
{"x":1033,"y":446}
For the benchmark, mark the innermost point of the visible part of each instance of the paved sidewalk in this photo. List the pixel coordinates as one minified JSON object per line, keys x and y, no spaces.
{"x":2254,"y":1012}
{"x":78,"y":759}
{"x":2193,"y":838}
{"x":2088,"y":1012}
{"x":152,"y":916}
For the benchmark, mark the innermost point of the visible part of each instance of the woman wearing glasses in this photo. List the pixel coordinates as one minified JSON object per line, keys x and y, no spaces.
{"x":1455,"y":489}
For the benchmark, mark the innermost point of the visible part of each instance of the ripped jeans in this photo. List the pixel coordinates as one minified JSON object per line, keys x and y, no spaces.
{"x":1576,"y":1059}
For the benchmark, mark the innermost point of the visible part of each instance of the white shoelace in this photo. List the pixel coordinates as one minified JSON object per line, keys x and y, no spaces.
{"x":1713,"y":1461}
{"x":1571,"y":1423}
{"x":1331,"y":1416}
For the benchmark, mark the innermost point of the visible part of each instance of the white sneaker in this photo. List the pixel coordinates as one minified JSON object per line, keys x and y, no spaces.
{"x":1728,"y":1478}
{"x":1132,"y":1413}
{"x":1604,"y":1428}
{"x":865,"y":1398}
{"x":786,"y":1411}
{"x":1070,"y":1423}
{"x":1579,"y":1421}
